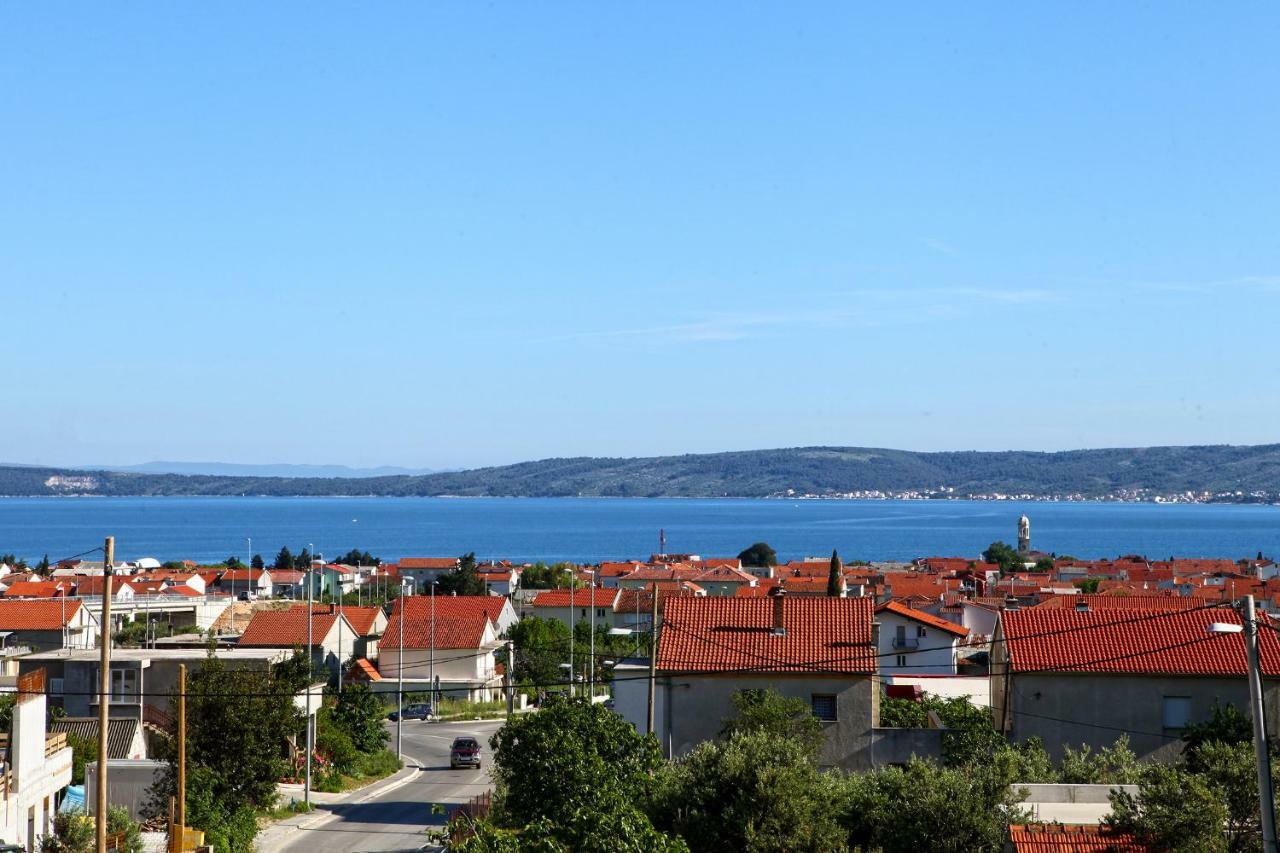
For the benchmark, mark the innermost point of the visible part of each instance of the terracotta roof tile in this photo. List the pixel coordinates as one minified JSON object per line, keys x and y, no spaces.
{"x":1059,"y":838}
{"x":285,"y":628}
{"x":1135,"y":601}
{"x":1175,"y":642}
{"x":923,"y":618}
{"x":363,"y":619}
{"x":460,"y":632}
{"x":428,"y":562}
{"x":451,"y":606}
{"x":578,"y":597}
{"x":35,"y":589}
{"x":36,"y":615}
{"x":713,"y":634}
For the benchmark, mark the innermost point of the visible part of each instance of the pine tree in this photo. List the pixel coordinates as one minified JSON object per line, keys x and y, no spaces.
{"x":303,"y":563}
{"x":284,"y":560}
{"x":256,"y":562}
{"x":833,"y":576}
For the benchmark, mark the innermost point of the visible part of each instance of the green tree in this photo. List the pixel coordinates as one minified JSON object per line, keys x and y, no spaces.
{"x":303,"y":561}
{"x":256,"y":562}
{"x":1175,"y":811}
{"x":360,"y":713}
{"x":233,"y":562}
{"x":759,"y":554}
{"x":926,"y":807}
{"x":1088,"y":586}
{"x":73,"y":832}
{"x":1004,"y":556}
{"x":541,"y":645}
{"x":768,"y":711}
{"x":971,"y":735}
{"x":43,"y":566}
{"x":1112,"y":765}
{"x":834,"y":576}
{"x":356,"y":557}
{"x":759,"y":792}
{"x":542,"y":576}
{"x":603,"y":772}
{"x":229,"y":827}
{"x":465,"y":581}
{"x":1044,"y":564}
{"x":1226,"y":724}
{"x":285,"y":560}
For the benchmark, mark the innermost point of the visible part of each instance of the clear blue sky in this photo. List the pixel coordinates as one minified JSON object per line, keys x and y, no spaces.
{"x":450,"y":235}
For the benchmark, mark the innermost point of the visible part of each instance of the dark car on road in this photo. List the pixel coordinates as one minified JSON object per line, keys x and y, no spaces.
{"x":412,"y":712}
{"x":465,"y":752}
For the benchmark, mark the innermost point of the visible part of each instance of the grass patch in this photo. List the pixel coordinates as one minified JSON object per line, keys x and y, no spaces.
{"x":462,"y":708}
{"x":294,"y":807}
{"x":368,"y":768}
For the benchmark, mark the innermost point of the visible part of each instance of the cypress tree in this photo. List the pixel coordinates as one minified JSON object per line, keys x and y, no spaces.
{"x":833,"y":577}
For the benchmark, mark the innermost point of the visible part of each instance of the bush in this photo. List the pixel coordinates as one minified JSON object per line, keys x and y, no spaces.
{"x":73,"y":832}
{"x":378,"y":764}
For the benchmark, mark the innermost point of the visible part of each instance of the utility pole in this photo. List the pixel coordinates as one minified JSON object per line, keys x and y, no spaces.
{"x":572,"y":624}
{"x":432,"y":672}
{"x":310,"y":676}
{"x":591,"y":666}
{"x":104,"y":693}
{"x":653,"y":661}
{"x":182,"y":749}
{"x":1266,"y":795}
{"x":400,"y":680}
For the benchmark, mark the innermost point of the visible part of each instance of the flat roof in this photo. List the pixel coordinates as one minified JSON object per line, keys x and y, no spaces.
{"x":246,"y":654}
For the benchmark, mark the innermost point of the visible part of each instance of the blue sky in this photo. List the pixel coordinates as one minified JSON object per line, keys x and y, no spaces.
{"x":452,"y":235}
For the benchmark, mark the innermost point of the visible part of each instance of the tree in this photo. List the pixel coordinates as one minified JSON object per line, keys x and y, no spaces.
{"x":465,"y":581}
{"x":834,"y":576}
{"x":759,"y":791}
{"x":73,"y":832}
{"x":926,"y":807}
{"x":233,"y":562}
{"x":603,"y":771}
{"x":356,"y":557}
{"x":1226,"y":724}
{"x":256,"y":562}
{"x":284,"y":560}
{"x":360,"y":713}
{"x":43,"y":566}
{"x":1175,"y":811}
{"x":768,"y":711}
{"x":1112,"y":765}
{"x":1044,"y":564}
{"x":759,"y":555}
{"x":1003,"y":555}
{"x":541,"y":646}
{"x":1088,"y":586}
{"x":542,"y":576}
{"x":303,"y":561}
{"x":240,"y":770}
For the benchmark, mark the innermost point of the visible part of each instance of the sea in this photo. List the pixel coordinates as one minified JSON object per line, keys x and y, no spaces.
{"x":593,"y":529}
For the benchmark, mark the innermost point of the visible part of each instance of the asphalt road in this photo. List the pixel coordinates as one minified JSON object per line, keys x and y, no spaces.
{"x":396,"y":820}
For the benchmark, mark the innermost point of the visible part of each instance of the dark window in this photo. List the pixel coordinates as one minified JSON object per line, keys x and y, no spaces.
{"x":824,"y":706}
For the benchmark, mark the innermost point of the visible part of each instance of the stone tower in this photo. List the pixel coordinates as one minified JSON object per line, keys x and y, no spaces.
{"x":1024,"y":535}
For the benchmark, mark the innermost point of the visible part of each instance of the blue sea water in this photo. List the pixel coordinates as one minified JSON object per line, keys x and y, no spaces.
{"x":589,"y":529}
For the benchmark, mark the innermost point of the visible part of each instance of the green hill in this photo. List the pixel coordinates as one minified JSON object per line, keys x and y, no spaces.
{"x":1218,"y":469}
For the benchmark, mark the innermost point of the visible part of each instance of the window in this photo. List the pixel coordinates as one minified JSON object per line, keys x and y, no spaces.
{"x":124,"y":685}
{"x":1176,"y":712}
{"x":920,"y":632}
{"x":901,"y":660}
{"x":824,"y":706}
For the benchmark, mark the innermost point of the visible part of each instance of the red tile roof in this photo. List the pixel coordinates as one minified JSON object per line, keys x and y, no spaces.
{"x":285,"y":628}
{"x":713,"y":634}
{"x":1057,"y":838}
{"x":35,"y":589}
{"x":243,"y":574}
{"x":1135,"y":601}
{"x":451,"y":606}
{"x":575,"y":598}
{"x":362,"y":670}
{"x":1175,"y":642}
{"x":923,"y":618}
{"x":363,"y":619}
{"x":428,"y":562}
{"x":36,"y":615}
{"x":181,"y":589}
{"x":461,"y":632}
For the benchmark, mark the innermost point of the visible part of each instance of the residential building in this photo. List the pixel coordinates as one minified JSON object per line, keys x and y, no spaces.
{"x":37,"y":770}
{"x":421,"y":571}
{"x":457,"y":650}
{"x":333,"y":580}
{"x":1082,"y":676}
{"x":495,"y":608}
{"x":255,"y":582}
{"x":37,"y":589}
{"x":1066,"y":838}
{"x":125,"y":735}
{"x":369,"y":624}
{"x":49,"y":624}
{"x":122,"y":589}
{"x":331,"y":638}
{"x":913,"y":642}
{"x":821,"y":650}
{"x":499,"y":579}
{"x":578,"y":605}
{"x":725,"y":580}
{"x":288,"y":583}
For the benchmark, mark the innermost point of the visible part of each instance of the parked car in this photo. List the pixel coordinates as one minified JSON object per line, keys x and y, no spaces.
{"x":465,"y":752}
{"x":421,"y":711}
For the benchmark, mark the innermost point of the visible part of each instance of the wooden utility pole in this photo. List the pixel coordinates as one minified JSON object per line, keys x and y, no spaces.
{"x":653,"y":659}
{"x":182,"y":748}
{"x":104,"y":693}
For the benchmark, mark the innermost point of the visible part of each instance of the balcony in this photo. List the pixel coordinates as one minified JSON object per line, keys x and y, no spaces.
{"x":906,"y":643}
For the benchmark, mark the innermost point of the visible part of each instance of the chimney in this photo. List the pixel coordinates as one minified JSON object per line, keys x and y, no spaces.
{"x":1082,"y":606}
{"x":1011,"y":603}
{"x":779,"y":626}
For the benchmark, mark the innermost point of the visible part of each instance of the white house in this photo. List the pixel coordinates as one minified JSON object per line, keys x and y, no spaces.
{"x":912,"y":642}
{"x":333,"y":638}
{"x":40,"y":767}
{"x":457,"y":650}
{"x":576,"y":605}
{"x":496,"y":608}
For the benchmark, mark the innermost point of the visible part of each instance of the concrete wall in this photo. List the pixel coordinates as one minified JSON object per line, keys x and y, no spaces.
{"x":450,"y":664}
{"x":128,"y":783}
{"x":694,"y":709}
{"x":1069,"y":709}
{"x":898,"y":746}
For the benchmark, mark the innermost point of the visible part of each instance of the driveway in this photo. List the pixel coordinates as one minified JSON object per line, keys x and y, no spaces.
{"x":394,"y":819}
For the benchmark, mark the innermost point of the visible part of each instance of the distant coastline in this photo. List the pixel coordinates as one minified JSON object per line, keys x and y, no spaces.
{"x":1195,"y":474}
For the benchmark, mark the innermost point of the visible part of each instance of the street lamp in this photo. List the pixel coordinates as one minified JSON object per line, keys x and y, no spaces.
{"x":1266,"y":797}
{"x":400,"y":677}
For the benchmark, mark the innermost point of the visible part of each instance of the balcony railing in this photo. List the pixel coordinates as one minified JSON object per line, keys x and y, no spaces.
{"x":54,"y":743}
{"x":906,"y":642}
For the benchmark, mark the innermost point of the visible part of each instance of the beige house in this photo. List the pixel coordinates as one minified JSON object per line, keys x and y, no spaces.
{"x":457,"y":651}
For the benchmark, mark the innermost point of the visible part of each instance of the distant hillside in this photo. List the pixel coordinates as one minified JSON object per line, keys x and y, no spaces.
{"x":1127,"y":472}
{"x":233,"y":469}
